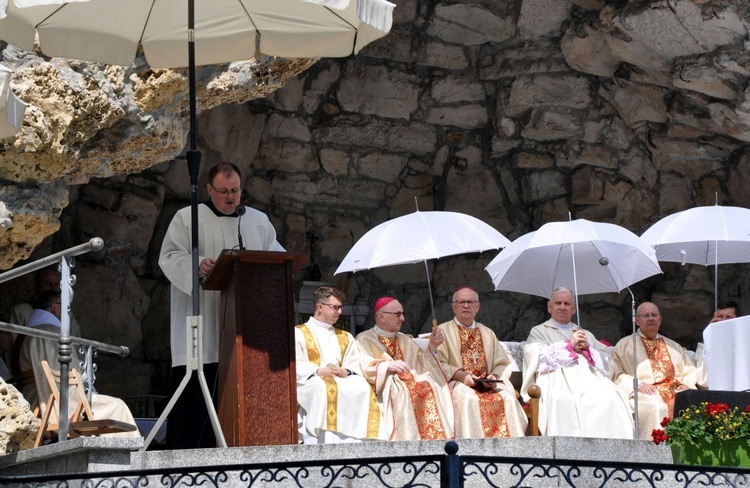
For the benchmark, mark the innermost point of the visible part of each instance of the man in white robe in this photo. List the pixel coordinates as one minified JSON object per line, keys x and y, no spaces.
{"x":218,"y":223}
{"x":411,"y":388}
{"x":336,"y":403}
{"x":33,"y":350}
{"x":578,"y":399}
{"x":477,"y":367}
{"x":663,"y":370}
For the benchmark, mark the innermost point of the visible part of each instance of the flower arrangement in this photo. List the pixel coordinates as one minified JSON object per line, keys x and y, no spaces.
{"x":705,"y":423}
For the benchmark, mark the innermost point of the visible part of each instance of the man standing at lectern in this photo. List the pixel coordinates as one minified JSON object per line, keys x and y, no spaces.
{"x":220,"y":226}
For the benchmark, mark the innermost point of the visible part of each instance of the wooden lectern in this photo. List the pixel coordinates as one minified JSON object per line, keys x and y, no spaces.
{"x":257,"y":396}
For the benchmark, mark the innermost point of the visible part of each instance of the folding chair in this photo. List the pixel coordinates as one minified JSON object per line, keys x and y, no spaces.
{"x":82,"y":421}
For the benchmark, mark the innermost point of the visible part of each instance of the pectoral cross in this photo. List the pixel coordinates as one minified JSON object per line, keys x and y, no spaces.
{"x":474,"y":358}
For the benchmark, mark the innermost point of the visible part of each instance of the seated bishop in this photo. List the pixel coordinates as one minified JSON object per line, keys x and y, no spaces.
{"x":411,"y":388}
{"x":479,"y":377}
{"x":336,"y":403}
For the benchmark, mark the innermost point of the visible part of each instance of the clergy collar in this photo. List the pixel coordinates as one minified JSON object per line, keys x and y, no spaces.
{"x":568,"y":326}
{"x":658,"y":336}
{"x":458,"y":322}
{"x":210,"y":204}
{"x":383,"y":333}
{"x":42,"y":317}
{"x":314,"y":321}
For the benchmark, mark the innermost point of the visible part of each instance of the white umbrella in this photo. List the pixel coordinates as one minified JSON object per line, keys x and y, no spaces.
{"x":710,"y":235}
{"x":421,"y":236}
{"x":587,"y":257}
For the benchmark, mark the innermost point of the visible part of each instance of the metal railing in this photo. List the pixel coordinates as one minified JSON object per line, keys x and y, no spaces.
{"x":450,"y":470}
{"x":66,"y":261}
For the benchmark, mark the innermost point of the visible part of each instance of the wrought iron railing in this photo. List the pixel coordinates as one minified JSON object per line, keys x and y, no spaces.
{"x":450,"y":470}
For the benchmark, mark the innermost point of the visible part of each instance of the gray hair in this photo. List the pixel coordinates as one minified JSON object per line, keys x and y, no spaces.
{"x":562,"y":289}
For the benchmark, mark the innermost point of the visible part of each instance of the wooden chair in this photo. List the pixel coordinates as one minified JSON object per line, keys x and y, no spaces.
{"x":532,"y":408}
{"x":82,"y":421}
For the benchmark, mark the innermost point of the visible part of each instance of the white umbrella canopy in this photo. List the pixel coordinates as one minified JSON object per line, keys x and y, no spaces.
{"x":112,"y":31}
{"x":421,"y":236}
{"x":587,"y":257}
{"x":709,"y":235}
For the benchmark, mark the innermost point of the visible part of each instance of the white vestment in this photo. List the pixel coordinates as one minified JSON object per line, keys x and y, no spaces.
{"x":344,"y":407}
{"x":415,"y":405}
{"x":578,"y":399}
{"x":473,"y":420}
{"x":214,"y":235}
{"x":651,"y":408}
{"x":35,"y":349}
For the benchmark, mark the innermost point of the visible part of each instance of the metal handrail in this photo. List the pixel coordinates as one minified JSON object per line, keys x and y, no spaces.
{"x":121,"y":351}
{"x":67,"y":261}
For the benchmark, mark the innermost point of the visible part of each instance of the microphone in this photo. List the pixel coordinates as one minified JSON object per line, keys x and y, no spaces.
{"x":240,"y":211}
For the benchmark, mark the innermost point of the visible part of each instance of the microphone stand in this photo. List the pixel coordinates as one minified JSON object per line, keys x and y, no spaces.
{"x":240,"y":212}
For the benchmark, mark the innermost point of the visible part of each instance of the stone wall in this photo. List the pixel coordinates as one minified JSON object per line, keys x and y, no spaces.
{"x":518,"y":113}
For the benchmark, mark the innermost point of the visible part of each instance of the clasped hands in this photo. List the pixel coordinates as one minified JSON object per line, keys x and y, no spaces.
{"x":333,"y":370}
{"x":579,"y":341}
{"x":398,"y":367}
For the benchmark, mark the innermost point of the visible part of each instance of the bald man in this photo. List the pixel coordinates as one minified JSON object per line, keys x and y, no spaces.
{"x":663,"y":370}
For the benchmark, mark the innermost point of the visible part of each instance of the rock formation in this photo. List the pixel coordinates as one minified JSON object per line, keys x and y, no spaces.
{"x":18,"y":424}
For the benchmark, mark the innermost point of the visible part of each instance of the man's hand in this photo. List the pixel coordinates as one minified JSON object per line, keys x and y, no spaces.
{"x":579,"y":340}
{"x":647,"y":389}
{"x":205,"y":267}
{"x":436,"y":338}
{"x":333,"y":370}
{"x":467,"y":378}
{"x":398,"y":366}
{"x":680,"y":388}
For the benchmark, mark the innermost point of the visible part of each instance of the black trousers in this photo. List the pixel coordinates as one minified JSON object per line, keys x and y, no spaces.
{"x":188,"y":425}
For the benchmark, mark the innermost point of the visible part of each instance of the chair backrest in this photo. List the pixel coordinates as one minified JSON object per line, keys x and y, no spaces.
{"x":76,"y":390}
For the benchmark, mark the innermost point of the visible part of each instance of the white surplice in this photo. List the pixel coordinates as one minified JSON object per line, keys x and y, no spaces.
{"x":214,"y":235}
{"x":350,"y":410}
{"x":578,"y":399}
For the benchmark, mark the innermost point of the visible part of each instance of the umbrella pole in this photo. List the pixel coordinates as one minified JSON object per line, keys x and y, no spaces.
{"x":575,"y":282}
{"x":635,"y":367}
{"x":716,"y":276}
{"x":429,"y":288}
{"x":195,"y":322}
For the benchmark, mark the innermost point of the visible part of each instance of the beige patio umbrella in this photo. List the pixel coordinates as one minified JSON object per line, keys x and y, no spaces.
{"x":186,"y":34}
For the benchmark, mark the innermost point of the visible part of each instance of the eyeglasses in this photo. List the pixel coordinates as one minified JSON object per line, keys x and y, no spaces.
{"x":335,"y":308}
{"x":649,"y":315}
{"x":224,"y":192}
{"x":465,"y":303}
{"x":397,"y":314}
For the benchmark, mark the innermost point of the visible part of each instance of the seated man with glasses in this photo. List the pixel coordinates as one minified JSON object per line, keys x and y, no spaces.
{"x":336,"y":403}
{"x":578,"y":399}
{"x":409,"y":383}
{"x":662,"y":370}
{"x":477,"y":367}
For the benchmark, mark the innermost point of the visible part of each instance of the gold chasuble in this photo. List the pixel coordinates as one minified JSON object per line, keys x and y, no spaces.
{"x":491,"y":406}
{"x":663,"y":370}
{"x":489,"y":410}
{"x":424,"y":404}
{"x":313,"y":357}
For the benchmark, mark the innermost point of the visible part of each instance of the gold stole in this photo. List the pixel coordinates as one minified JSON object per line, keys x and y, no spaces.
{"x":663,"y":370}
{"x":423,"y":401}
{"x":474,"y":361}
{"x":332,"y":390}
